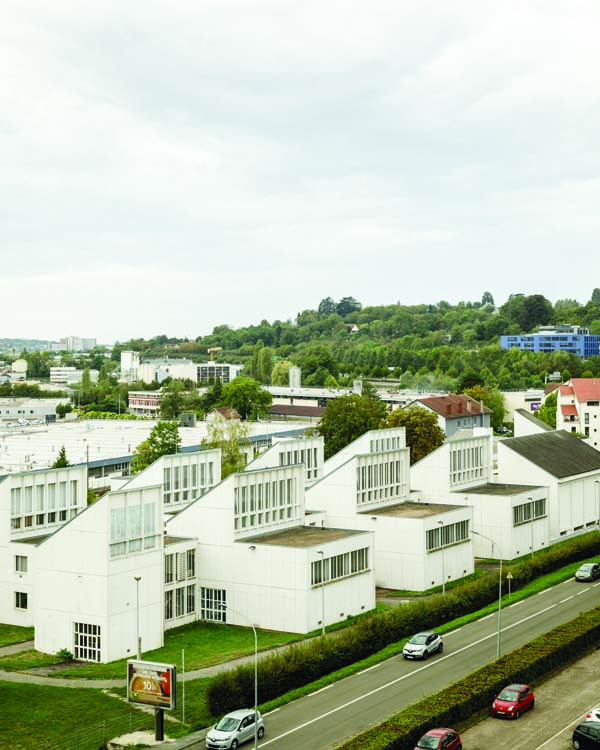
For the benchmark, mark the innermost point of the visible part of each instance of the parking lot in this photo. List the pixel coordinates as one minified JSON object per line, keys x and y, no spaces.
{"x":560,"y":704}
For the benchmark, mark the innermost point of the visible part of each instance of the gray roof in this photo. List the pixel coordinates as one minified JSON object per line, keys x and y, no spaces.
{"x":498,"y":488}
{"x":557,"y":452}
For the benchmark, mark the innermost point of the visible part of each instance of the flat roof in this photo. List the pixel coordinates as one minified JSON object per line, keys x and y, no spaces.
{"x":32,"y":539}
{"x":301,"y":536}
{"x":412,"y":510}
{"x":493,"y":488}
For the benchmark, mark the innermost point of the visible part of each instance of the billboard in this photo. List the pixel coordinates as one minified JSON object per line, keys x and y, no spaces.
{"x":152,"y":684}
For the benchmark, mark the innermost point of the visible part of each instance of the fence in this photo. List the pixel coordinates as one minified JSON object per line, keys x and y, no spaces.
{"x":97,"y":737}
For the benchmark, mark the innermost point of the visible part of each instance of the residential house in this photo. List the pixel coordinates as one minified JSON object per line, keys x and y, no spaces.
{"x":578,"y":408}
{"x":456,"y":412}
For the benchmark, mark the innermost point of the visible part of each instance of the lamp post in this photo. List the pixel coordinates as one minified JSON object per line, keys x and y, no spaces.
{"x":137,"y":580}
{"x":499,"y":589}
{"x":226,"y":606}
{"x":597,"y":483}
{"x":531,"y":521}
{"x":442,"y":546}
{"x":322,"y":553}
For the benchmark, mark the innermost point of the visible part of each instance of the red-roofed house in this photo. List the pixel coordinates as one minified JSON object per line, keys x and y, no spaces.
{"x":578,"y":408}
{"x":456,"y":411}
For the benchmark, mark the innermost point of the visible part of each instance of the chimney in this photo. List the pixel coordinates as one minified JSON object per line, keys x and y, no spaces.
{"x":448,"y":409}
{"x":468,"y":404}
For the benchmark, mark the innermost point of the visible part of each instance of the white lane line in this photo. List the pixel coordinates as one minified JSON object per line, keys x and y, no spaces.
{"x":401,"y":679}
{"x":323,"y":688}
{"x":545,"y":591}
{"x":368,"y":669}
{"x":562,"y":601}
{"x":568,"y":726}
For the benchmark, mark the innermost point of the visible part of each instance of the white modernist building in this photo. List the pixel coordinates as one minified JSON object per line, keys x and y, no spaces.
{"x":366,"y":486}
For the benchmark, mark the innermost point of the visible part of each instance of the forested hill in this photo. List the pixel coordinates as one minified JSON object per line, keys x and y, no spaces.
{"x":428,"y":345}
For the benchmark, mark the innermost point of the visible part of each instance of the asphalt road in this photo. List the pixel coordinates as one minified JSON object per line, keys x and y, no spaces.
{"x":323,"y":720}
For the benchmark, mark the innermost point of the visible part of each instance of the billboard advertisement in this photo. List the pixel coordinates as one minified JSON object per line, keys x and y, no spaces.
{"x":152,"y":684}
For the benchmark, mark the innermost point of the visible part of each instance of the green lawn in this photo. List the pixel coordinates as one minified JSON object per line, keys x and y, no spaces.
{"x":10,"y":634}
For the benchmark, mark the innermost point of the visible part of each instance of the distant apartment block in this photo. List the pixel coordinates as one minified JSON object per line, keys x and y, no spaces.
{"x":74,"y":344}
{"x":67,"y":375}
{"x":564,"y":338}
{"x":211,"y":371}
{"x":144,"y":403}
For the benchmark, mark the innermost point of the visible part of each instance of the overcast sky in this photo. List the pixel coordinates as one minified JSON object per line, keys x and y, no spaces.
{"x":169,"y":167}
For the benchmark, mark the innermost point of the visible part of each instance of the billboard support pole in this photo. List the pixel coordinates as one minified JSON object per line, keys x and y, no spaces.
{"x":159,"y":716}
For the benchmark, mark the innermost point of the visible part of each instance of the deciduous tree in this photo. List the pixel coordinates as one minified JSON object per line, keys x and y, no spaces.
{"x":423,"y":433}
{"x":347,"y":418}
{"x":164,"y":440}
{"x":247,"y":397}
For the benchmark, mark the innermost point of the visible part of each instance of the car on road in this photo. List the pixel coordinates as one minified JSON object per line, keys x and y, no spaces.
{"x":235,"y":728}
{"x":586,"y":736}
{"x":422,"y":645}
{"x":588,"y":572}
{"x":440,"y":739}
{"x":593,"y":714}
{"x":513,"y":700}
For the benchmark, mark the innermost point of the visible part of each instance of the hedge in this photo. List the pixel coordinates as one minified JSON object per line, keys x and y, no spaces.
{"x":304,"y":663}
{"x":528,"y":664}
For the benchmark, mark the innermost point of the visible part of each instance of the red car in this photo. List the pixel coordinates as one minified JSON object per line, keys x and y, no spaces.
{"x":512,"y":701}
{"x":440,"y":739}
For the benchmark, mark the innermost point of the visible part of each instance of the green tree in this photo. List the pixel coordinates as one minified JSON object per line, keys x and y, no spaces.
{"x":493,"y":399}
{"x":547,"y":411}
{"x":247,"y":397}
{"x":280,"y":374}
{"x":172,"y":401}
{"x":231,"y":438}
{"x":326,"y":306}
{"x":164,"y":440}
{"x":596,"y":296}
{"x":347,"y":418}
{"x":61,"y":460}
{"x":265,"y":365}
{"x":423,"y":432}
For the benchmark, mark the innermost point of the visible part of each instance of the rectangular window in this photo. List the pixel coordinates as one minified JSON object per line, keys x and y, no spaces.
{"x":169,"y":569}
{"x":62,"y":495}
{"x":20,"y":564}
{"x":86,"y":641}
{"x":191,"y":563}
{"x":180,"y":601}
{"x":20,"y":600}
{"x":444,"y":536}
{"x":39,"y":497}
{"x":190,"y":601}
{"x":28,"y":499}
{"x":213,"y":605}
{"x":169,"y":604}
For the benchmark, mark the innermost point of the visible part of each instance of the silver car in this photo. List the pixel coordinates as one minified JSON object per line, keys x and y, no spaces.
{"x":235,"y":728}
{"x":422,"y":645}
{"x":588,"y":572}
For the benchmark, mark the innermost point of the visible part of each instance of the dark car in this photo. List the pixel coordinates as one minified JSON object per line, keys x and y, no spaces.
{"x":440,"y":739}
{"x":588,"y":572}
{"x":587,"y":735}
{"x":512,"y":701}
{"x":423,"y":645}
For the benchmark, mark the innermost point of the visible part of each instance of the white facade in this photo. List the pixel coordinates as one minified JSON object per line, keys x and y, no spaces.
{"x":258,"y":563}
{"x":86,"y":592}
{"x":130,"y":362}
{"x":367,"y":486}
{"x":573,"y":498}
{"x":308,"y":451}
{"x":33,"y":505}
{"x":29,"y":409}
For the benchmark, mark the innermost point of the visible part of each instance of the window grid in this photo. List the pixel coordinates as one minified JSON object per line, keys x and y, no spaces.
{"x":266,"y":499}
{"x":33,"y":506}
{"x":339,"y":566}
{"x":447,"y":535}
{"x":468,"y":462}
{"x":213,"y":605}
{"x":87,"y":641}
{"x":528,"y":512}
{"x":380,"y":477}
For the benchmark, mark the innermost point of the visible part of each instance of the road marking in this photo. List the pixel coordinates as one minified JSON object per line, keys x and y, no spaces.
{"x":402,"y":678}
{"x":368,"y":669}
{"x":579,"y":593}
{"x":568,"y":726}
{"x":562,"y":601}
{"x":545,"y":591}
{"x":323,"y":688}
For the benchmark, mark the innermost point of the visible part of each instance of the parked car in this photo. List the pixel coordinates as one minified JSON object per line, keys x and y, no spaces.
{"x":587,"y":735}
{"x":593,"y":714}
{"x":422,"y":645}
{"x":233,"y":729}
{"x":513,"y":700}
{"x":440,"y":739}
{"x":588,"y":572}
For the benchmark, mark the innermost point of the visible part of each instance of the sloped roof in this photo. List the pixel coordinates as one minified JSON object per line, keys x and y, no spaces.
{"x":568,"y":410}
{"x":586,"y":389}
{"x":454,"y":405}
{"x":565,"y":390}
{"x":557,"y":452}
{"x":535,"y":420}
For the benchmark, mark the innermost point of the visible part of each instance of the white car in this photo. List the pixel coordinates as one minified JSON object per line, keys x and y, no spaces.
{"x":593,"y":714}
{"x":422,"y":645}
{"x":235,"y":728}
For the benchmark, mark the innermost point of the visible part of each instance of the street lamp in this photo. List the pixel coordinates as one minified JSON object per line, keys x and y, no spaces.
{"x":597,"y":483}
{"x":322,"y":553}
{"x":137,"y":580}
{"x":499,"y":589}
{"x":231,"y":609}
{"x":442,"y":546}
{"x":531,"y":521}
